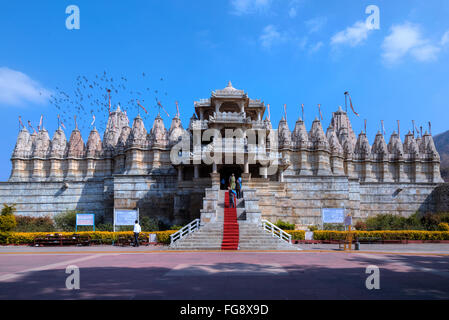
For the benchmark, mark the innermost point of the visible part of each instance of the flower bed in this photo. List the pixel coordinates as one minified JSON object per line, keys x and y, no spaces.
{"x":21,"y":238}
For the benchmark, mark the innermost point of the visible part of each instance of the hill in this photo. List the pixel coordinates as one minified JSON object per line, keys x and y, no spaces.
{"x":442,"y":145}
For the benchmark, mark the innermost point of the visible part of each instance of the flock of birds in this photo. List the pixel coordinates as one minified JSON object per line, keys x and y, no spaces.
{"x":92,"y":100}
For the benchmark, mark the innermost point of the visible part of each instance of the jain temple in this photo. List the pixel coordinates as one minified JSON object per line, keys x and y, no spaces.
{"x":290,"y":174}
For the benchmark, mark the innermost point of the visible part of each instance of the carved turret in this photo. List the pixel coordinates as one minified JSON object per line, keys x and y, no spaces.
{"x":334,"y":143}
{"x":176,"y":131}
{"x":158,"y":134}
{"x":342,"y":125}
{"x":42,"y":145}
{"x":362,"y":152}
{"x":285,"y":136}
{"x":321,"y":149}
{"x":94,"y":145}
{"x":410,"y":146}
{"x":138,"y":137}
{"x":317,"y":136}
{"x":395,"y":146}
{"x":336,"y":149}
{"x":116,"y":121}
{"x":22,"y":151}
{"x":23,"y":145}
{"x":59,"y":145}
{"x":300,"y":137}
{"x":362,"y":148}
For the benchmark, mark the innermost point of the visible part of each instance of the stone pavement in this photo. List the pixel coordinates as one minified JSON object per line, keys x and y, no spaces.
{"x":153,"y":273}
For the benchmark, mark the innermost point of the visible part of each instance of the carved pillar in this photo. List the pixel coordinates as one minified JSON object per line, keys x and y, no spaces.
{"x":387,"y":176}
{"x":337,"y":165}
{"x":306,"y":165}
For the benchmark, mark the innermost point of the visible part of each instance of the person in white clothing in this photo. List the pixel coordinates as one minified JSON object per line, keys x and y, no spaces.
{"x":137,"y":231}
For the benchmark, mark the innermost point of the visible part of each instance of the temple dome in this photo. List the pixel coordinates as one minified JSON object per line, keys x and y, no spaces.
{"x":58,"y":144}
{"x":76,"y":145}
{"x":94,"y":145}
{"x":42,"y":144}
{"x":23,"y":145}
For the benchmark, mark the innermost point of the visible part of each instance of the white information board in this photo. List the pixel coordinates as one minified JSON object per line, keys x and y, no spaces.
{"x":336,"y":215}
{"x":125,"y":217}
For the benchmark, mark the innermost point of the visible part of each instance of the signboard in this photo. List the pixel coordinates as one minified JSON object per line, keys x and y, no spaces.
{"x":152,"y":238}
{"x":125,"y":217}
{"x":309,"y":235}
{"x":85,"y":219}
{"x":333,"y":215}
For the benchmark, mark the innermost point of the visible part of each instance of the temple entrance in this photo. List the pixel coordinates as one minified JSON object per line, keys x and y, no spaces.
{"x":225,"y":173}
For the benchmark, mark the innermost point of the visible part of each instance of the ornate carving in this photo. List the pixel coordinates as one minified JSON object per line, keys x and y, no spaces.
{"x":395,"y":145}
{"x":94,"y":147}
{"x":300,"y":136}
{"x":410,"y":145}
{"x":362,"y":147}
{"x":176,"y":130}
{"x":42,"y":145}
{"x":139,"y":133}
{"x":23,"y":145}
{"x":317,"y":136}
{"x":158,"y":134}
{"x":380,"y":147}
{"x":285,"y":136}
{"x":334,"y":144}
{"x":76,"y":145}
{"x":59,"y":144}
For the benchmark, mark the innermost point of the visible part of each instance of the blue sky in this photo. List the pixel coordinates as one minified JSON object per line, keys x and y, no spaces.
{"x":281,"y":51}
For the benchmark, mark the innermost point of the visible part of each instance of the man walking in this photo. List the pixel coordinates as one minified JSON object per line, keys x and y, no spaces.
{"x":137,"y":231}
{"x":232,"y":196}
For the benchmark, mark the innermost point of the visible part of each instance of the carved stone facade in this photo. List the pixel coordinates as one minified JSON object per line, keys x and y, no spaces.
{"x":131,"y":167}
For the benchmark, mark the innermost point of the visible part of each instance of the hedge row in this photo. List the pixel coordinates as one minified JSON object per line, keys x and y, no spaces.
{"x":105,"y":236}
{"x":384,"y":235}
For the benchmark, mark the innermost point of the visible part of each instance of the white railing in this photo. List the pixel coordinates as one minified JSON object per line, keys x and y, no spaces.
{"x":276,"y":231}
{"x":184,"y":232}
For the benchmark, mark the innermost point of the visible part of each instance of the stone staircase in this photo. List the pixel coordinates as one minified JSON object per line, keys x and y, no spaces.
{"x":251,"y":235}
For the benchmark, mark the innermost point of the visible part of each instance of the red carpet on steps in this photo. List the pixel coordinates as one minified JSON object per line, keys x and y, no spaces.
{"x":230,"y":228}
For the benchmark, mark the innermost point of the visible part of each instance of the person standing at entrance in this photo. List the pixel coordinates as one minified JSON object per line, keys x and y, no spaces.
{"x":238,"y":188}
{"x":137,"y":231}
{"x":232,"y":182}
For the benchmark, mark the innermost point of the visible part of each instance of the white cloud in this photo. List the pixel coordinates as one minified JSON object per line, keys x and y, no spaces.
{"x":315,"y":47}
{"x":16,"y":88}
{"x":407,"y":39}
{"x":271,"y":36}
{"x":352,"y":36}
{"x":445,"y":39}
{"x":292,"y":12}
{"x":316,"y":24}
{"x":241,"y":7}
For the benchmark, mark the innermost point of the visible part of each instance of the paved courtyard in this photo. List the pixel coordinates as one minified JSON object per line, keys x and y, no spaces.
{"x":317,"y":272}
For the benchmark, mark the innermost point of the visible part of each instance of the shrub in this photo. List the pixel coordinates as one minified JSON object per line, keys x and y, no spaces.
{"x":175,"y":227}
{"x":297,"y":234}
{"x":285,"y":225}
{"x":360,"y":226}
{"x":334,"y":226}
{"x":393,"y":222}
{"x":66,"y":221}
{"x":444,"y":226}
{"x":7,"y":219}
{"x":34,"y":224}
{"x":313,"y":228}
